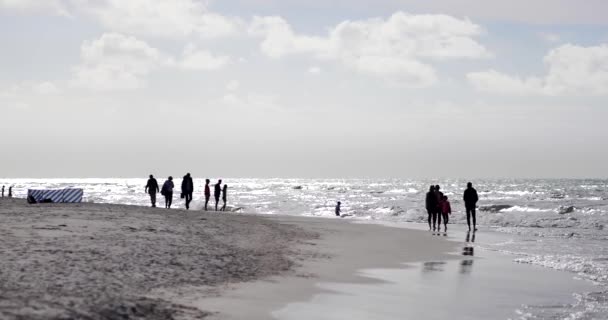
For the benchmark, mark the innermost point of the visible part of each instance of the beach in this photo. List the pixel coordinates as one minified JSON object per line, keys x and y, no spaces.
{"x":103,"y":261}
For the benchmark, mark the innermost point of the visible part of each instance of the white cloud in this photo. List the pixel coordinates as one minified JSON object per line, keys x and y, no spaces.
{"x":160,"y":18}
{"x":252,"y":101}
{"x":115,"y":61}
{"x":43,"y":6}
{"x":572,"y":70}
{"x":393,"y":48}
{"x":21,"y":96}
{"x":233,"y":85}
{"x":197,"y":59}
{"x":314,"y":70}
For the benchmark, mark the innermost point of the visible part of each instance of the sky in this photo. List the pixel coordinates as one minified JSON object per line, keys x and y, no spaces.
{"x":304,"y":88}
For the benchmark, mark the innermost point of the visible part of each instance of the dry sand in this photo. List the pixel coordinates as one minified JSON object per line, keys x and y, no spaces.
{"x":96,"y":261}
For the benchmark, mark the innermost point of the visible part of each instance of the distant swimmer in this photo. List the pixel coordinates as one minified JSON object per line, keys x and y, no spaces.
{"x":217,"y":192}
{"x":152,"y":190}
{"x":446,"y":210}
{"x":338,"y":209}
{"x":470,"y":203}
{"x":167,"y":191}
{"x":224,"y":191}
{"x":10,"y":191}
{"x":431,"y":205}
{"x":207,"y":193}
{"x":187,"y":189}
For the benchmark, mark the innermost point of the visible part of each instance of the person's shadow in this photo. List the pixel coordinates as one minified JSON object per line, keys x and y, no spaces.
{"x":466,"y":266}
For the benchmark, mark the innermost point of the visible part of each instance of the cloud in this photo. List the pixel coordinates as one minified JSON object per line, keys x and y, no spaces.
{"x":314,"y":70}
{"x":550,"y":37}
{"x":394,"y":48}
{"x":57,"y":7}
{"x":20,"y":96}
{"x":251,"y":101}
{"x":233,"y":86}
{"x":114,"y":62}
{"x":160,"y":18}
{"x":572,"y":70}
{"x":196,"y":59}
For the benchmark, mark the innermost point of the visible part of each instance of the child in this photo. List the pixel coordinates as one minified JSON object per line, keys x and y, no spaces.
{"x":338,"y":209}
{"x":446,"y":210}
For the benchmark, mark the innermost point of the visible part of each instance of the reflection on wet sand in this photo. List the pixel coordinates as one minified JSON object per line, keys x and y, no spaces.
{"x":433,"y":266}
{"x":466,"y":266}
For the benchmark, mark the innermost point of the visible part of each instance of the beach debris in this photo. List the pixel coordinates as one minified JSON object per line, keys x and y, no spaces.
{"x":297,"y":188}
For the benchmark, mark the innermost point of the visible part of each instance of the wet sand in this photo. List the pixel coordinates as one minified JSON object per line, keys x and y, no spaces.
{"x":93,"y":261}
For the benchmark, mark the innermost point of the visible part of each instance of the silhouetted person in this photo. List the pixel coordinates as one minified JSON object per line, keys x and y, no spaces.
{"x":437,"y":212}
{"x":207,"y":193}
{"x":152,"y":189}
{"x":431,"y":204}
{"x":10,"y":191}
{"x":224,"y":191}
{"x":187,"y":189}
{"x":338,"y":209}
{"x":2,"y":191}
{"x":217,"y":192}
{"x":446,"y":210}
{"x":167,"y":191}
{"x":470,"y":203}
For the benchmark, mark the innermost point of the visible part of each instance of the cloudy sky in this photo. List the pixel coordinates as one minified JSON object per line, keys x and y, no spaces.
{"x":304,"y":88}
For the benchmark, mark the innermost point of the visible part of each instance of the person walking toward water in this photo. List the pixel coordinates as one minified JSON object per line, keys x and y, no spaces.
{"x":217,"y":192}
{"x":10,"y":191}
{"x":338,"y":209}
{"x":470,"y":203}
{"x":152,"y":190}
{"x":431,"y":205}
{"x":207,"y":193}
{"x":187,"y":189}
{"x":446,"y":210}
{"x":224,"y":191}
{"x":167,"y":191}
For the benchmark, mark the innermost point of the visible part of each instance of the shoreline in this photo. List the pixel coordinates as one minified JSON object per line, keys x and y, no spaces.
{"x":305,"y":266}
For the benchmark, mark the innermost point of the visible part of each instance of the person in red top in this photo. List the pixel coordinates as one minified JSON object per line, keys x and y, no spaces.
{"x":207,"y":193}
{"x":446,"y":210}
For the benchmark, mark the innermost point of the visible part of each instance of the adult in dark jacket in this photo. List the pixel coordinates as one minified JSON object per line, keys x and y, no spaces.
{"x":187,"y":189}
{"x":217,"y":192}
{"x":152,"y":189}
{"x":431,"y":204}
{"x":167,"y":191}
{"x":470,"y":203}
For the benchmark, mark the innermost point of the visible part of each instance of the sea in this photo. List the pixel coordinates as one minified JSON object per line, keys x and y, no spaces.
{"x":558,"y":223}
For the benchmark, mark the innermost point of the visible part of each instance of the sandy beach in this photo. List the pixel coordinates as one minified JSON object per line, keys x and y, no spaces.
{"x":101,"y":261}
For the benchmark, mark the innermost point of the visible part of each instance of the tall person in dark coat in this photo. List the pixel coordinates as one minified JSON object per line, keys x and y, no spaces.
{"x":10,"y":191}
{"x":207,"y":193}
{"x":2,"y":191}
{"x":431,"y":205}
{"x":152,"y":189}
{"x":217,"y":192}
{"x":470,"y":203}
{"x":187,"y":189}
{"x":167,"y":191}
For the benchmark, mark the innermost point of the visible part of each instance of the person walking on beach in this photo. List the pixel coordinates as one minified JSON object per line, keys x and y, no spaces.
{"x":207,"y":193}
{"x":167,"y":191}
{"x":431,"y":205}
{"x":446,"y":210}
{"x":338,"y":209}
{"x":187,"y":189}
{"x":224,"y":191}
{"x":2,"y":191}
{"x":10,"y":191}
{"x":217,"y":192}
{"x":152,"y":189}
{"x":470,"y":203}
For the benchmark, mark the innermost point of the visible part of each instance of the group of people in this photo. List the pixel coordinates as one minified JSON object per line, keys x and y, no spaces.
{"x":10,"y":191}
{"x":187,"y":191}
{"x":438,"y":207}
